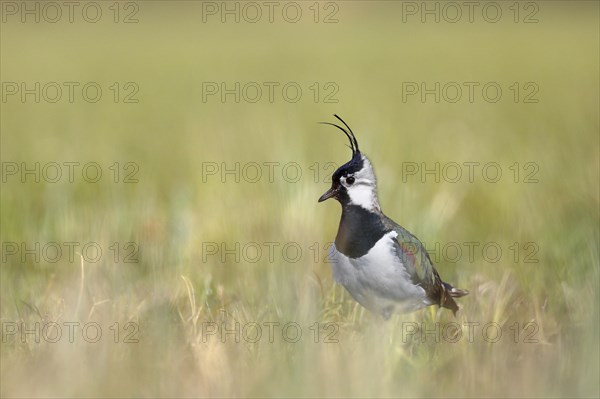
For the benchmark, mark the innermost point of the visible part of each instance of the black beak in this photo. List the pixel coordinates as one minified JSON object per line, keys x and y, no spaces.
{"x":330,"y":193}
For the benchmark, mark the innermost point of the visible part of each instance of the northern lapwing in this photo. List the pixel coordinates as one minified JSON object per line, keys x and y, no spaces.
{"x":381,"y":264}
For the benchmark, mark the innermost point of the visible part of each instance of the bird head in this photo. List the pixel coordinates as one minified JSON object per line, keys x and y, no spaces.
{"x":354,"y":182}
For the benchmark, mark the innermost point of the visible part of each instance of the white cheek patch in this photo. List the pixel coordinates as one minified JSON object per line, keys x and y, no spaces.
{"x":363,"y":195}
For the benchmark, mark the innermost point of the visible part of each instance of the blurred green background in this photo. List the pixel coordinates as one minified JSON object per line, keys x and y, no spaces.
{"x":177,"y":211}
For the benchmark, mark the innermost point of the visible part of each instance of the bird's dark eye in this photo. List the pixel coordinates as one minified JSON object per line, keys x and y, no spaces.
{"x":350,"y":179}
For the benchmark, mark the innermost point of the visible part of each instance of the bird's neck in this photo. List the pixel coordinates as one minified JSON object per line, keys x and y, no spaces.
{"x":359,"y":230}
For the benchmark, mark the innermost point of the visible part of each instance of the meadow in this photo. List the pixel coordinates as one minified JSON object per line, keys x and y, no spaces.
{"x":161,"y":235}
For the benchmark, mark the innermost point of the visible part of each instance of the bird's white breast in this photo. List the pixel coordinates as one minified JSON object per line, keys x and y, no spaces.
{"x":378,"y":280}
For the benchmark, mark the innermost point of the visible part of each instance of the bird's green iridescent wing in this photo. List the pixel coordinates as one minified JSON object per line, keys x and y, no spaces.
{"x":414,"y":256}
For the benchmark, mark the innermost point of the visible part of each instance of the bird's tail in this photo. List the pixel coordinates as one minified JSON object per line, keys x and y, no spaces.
{"x":455,"y":292}
{"x":449,"y":293}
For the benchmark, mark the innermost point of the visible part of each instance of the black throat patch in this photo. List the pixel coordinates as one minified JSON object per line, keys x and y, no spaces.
{"x":359,"y":231}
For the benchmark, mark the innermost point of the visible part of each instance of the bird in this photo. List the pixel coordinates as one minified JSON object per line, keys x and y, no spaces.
{"x":382,"y":265}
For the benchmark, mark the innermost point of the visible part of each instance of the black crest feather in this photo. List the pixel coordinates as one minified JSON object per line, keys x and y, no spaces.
{"x":349,"y":133}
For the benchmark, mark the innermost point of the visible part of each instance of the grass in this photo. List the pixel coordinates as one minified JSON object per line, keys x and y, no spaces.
{"x":178,"y":292}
